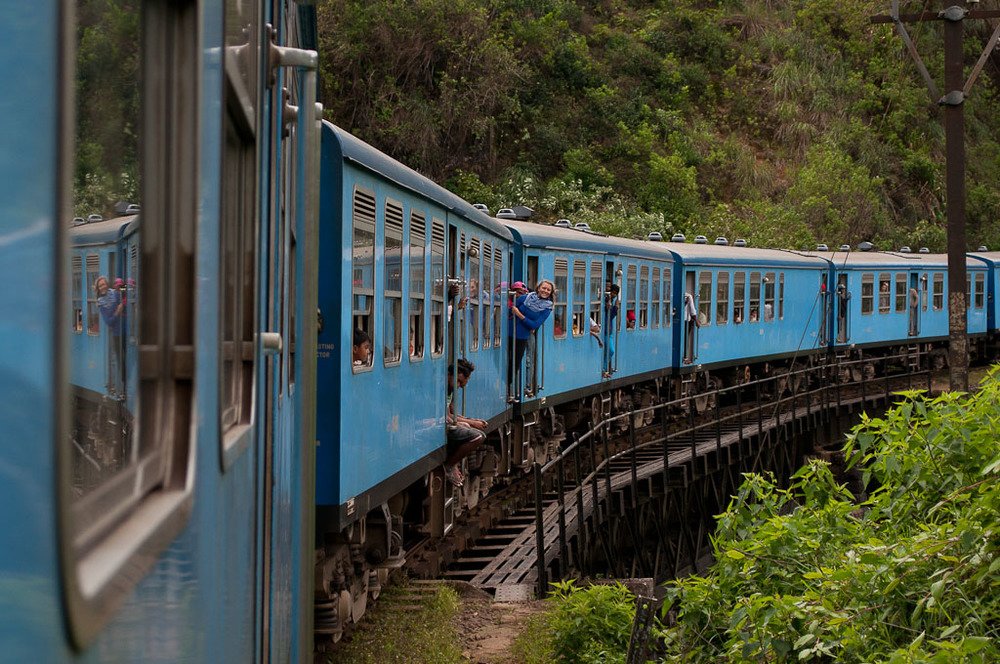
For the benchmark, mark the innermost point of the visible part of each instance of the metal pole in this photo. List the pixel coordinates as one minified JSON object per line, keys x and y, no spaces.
{"x":539,"y":533}
{"x":580,"y":544}
{"x":563,"y":552}
{"x":954,"y":126}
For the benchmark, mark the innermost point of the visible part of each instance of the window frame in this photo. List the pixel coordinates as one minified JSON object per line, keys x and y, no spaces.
{"x":769,"y":287}
{"x":867,"y":298}
{"x":654,"y":297}
{"x":755,"y":300}
{"x":979,"y":292}
{"x":722,"y":298}
{"x":937,"y":294}
{"x":392,"y":299}
{"x":358,"y":287}
{"x":739,"y":297}
{"x":438,"y":283}
{"x":884,"y":294}
{"x":578,"y":278}
{"x":902,"y":288}
{"x":560,"y":264}
{"x":631,"y":301}
{"x":417,"y":305}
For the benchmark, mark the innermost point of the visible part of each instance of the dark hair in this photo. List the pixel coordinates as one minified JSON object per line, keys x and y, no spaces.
{"x":464,"y":367}
{"x":614,"y":288}
{"x":360,"y":336}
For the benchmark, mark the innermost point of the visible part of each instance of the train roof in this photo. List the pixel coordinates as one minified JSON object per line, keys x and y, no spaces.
{"x":570,"y":239}
{"x":991,"y":257}
{"x":103,"y":232}
{"x":355,"y":150}
{"x":714,"y":254}
{"x":888,"y":259}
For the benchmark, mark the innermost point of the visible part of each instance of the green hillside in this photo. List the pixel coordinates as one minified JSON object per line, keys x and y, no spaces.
{"x":783,"y":122}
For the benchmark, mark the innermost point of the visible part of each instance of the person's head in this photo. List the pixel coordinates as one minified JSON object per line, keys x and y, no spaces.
{"x":462,"y":370}
{"x":546,"y":289}
{"x":614,"y":289}
{"x":362,"y":347}
{"x":595,"y":327}
{"x":630,"y":318}
{"x":101,"y":286}
{"x":519,"y":287}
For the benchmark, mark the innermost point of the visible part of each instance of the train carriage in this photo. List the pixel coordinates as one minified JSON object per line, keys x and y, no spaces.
{"x":753,"y":305}
{"x":992,"y":261}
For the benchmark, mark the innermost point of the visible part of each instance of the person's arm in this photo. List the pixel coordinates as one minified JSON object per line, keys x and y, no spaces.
{"x":471,"y":421}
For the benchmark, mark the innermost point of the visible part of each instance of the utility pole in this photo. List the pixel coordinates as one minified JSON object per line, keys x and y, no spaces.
{"x":956,"y":91}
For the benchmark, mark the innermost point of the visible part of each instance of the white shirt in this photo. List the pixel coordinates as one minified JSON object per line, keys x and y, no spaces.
{"x":690,"y":311}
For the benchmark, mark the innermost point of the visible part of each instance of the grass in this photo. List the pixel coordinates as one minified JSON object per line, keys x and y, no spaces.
{"x":534,"y":645}
{"x":405,"y":635}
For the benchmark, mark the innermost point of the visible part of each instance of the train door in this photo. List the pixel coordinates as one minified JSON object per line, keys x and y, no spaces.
{"x":843,"y":310}
{"x":913,"y":304}
{"x":536,"y":342}
{"x":457,"y":299}
{"x":612,"y":309}
{"x":287,"y":339}
{"x":689,"y":316}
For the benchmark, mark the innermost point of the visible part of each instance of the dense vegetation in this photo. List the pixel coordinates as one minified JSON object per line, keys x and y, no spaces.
{"x":908,"y":575}
{"x":783,"y":122}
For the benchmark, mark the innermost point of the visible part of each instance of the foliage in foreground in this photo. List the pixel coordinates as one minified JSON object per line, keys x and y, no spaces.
{"x":583,"y":626}
{"x":402,"y":636}
{"x":908,"y":575}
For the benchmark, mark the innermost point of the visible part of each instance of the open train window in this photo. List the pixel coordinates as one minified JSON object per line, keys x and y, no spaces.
{"x":596,"y":292}
{"x":124,"y":449}
{"x":884,"y":294}
{"x":631,"y":299}
{"x":739,"y":297}
{"x":938,"y":292}
{"x":643,"y":313}
{"x":722,"y":298}
{"x":580,"y":326}
{"x":438,"y":286}
{"x":667,"y":299}
{"x":901,"y":291}
{"x":418,"y":240}
{"x":362,"y":270}
{"x":474,"y":290}
{"x":76,"y":273}
{"x":654,"y":299}
{"x":867,"y":293}
{"x":781,"y":296}
{"x":979,"y":295}
{"x":392,"y":284}
{"x":499,"y":295}
{"x":705,"y":297}
{"x":559,"y":310}
{"x":769,"y":297}
{"x":488,"y":294}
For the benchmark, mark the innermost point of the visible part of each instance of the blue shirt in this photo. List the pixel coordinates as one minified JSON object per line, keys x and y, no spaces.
{"x":532,"y":319}
{"x":108,"y":304}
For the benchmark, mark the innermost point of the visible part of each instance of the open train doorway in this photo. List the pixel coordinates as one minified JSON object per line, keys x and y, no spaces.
{"x":843,"y":300}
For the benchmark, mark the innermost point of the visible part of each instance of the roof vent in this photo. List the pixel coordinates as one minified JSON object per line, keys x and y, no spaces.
{"x":506,"y":213}
{"x":866,"y":246}
{"x":846,"y":247}
{"x":481,"y":207}
{"x":822,"y":247}
{"x":678,"y":237}
{"x":562,"y":223}
{"x":655,"y":236}
{"x":905,"y":249}
{"x":982,"y":247}
{"x":721,"y":241}
{"x":700,"y":239}
{"x":581,"y":226}
{"x":91,"y":218}
{"x":133,"y":208}
{"x":77,"y":221}
{"x":740,"y":242}
{"x":924,"y":250}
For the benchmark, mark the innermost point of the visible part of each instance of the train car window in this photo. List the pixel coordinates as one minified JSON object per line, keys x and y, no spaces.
{"x":754,"y":297}
{"x":722,"y":298}
{"x":923,"y":292}
{"x":968,"y":289}
{"x":418,"y":240}
{"x":474,"y":293}
{"x":489,"y":281}
{"x":438,"y":287}
{"x":867,"y":293}
{"x":499,"y":295}
{"x":884,"y":294}
{"x":596,"y":291}
{"x":363,"y":270}
{"x":643,"y":297}
{"x":93,"y":317}
{"x":559,"y":310}
{"x":938,"y":293}
{"x":631,"y":298}
{"x":125,"y":489}
{"x":667,"y":299}
{"x":705,"y":297}
{"x":769,"y":297}
{"x":654,"y":299}
{"x":580,"y":326}
{"x":781,"y":296}
{"x":739,"y":297}
{"x":980,"y":294}
{"x":900,"y":291}
{"x":76,"y":273}
{"x":392,"y":285}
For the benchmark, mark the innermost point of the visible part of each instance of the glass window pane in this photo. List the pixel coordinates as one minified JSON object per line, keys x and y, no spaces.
{"x":580,"y":326}
{"x":739,"y":297}
{"x":363,"y":270}
{"x":559,"y":311}
{"x":705,"y":298}
{"x":884,"y":294}
{"x":769,"y":297}
{"x":722,"y":298}
{"x":867,"y":293}
{"x":654,"y":298}
{"x":901,"y":291}
{"x":392,"y":284}
{"x":643,"y":296}
{"x":418,"y":239}
{"x":630,"y":307}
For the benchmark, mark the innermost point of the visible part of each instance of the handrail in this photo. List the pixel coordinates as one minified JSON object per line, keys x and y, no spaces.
{"x":599,"y":434}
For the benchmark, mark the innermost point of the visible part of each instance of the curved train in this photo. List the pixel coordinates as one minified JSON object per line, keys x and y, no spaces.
{"x":207,"y":473}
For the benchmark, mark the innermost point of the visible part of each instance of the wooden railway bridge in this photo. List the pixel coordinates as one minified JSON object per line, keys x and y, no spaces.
{"x":648,"y":510}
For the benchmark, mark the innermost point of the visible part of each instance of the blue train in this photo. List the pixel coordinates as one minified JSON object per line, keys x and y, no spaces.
{"x":198,"y":464}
